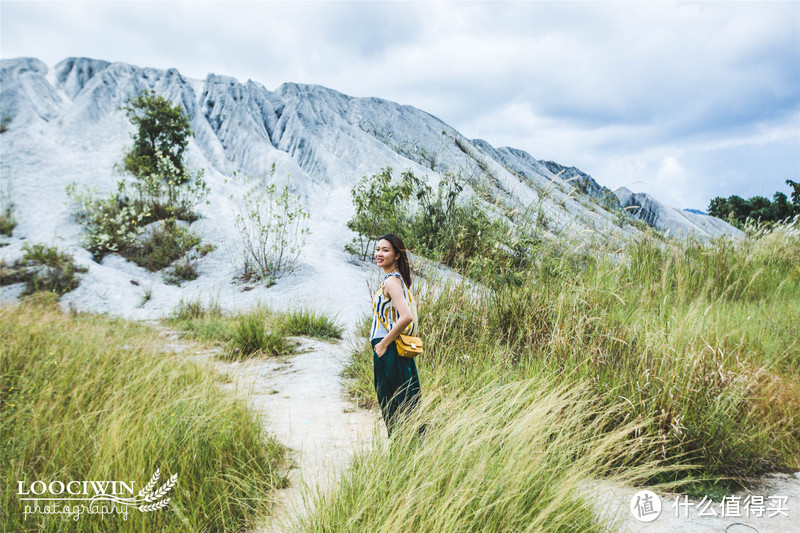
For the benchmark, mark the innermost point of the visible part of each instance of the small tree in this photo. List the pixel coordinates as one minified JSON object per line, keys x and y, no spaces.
{"x":162,"y":189}
{"x":795,"y":194}
{"x":273,"y":226}
{"x":160,"y":127}
{"x":381,"y":207}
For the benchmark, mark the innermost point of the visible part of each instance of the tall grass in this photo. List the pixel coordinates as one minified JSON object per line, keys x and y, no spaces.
{"x":84,"y":398}
{"x":310,"y":322}
{"x":701,"y":342}
{"x":257,"y":331}
{"x":513,"y":456}
{"x":250,"y":336}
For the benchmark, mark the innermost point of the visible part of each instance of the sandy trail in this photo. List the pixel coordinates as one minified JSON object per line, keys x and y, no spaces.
{"x":304,"y":404}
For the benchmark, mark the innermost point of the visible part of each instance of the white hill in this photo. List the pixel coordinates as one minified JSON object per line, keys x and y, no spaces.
{"x":65,"y":125}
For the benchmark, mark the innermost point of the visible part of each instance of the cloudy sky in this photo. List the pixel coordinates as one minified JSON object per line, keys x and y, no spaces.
{"x":684,"y":100}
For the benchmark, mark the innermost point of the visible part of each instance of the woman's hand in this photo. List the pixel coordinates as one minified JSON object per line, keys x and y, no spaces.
{"x":380,"y":348}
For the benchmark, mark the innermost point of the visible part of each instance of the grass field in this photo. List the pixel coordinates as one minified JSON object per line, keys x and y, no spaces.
{"x":696,"y":345}
{"x":86,"y":397}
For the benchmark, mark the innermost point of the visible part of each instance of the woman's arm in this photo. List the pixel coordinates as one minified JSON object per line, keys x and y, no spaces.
{"x":395,"y":289}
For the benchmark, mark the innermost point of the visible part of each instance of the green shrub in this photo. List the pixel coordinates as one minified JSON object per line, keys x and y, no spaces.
{"x":381,"y":207}
{"x":273,"y":226}
{"x":251,"y":336}
{"x":309,"y":322}
{"x":181,"y":271}
{"x":162,"y":189}
{"x":7,"y":220}
{"x":165,"y":244}
{"x":160,"y":128}
{"x":44,"y":268}
{"x":112,"y":223}
{"x":470,"y":237}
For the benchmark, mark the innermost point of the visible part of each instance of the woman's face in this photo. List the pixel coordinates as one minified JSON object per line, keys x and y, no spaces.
{"x":384,"y":254}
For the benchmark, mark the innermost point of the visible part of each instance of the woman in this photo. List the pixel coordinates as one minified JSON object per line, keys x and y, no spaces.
{"x":396,"y":378}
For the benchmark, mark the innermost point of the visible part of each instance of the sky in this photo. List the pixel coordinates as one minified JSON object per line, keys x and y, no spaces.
{"x":682,"y":100}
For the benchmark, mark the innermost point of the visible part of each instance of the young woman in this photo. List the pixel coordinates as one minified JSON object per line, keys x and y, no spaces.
{"x":396,"y":378}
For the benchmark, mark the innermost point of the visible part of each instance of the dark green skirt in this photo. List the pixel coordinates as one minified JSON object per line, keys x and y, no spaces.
{"x":396,"y":383}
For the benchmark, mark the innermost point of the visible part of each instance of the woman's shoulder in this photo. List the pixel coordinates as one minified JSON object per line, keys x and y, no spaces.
{"x":392,"y":279}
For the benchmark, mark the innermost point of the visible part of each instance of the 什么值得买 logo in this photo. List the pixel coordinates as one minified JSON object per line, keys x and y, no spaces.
{"x":75,"y":498}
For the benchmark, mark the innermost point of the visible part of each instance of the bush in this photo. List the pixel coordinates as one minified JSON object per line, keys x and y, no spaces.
{"x":160,"y":128}
{"x":169,"y":191}
{"x":111,"y":223}
{"x":44,"y":268}
{"x":162,"y":189}
{"x":309,"y":322}
{"x":273,"y":226}
{"x":464,"y":235}
{"x":381,"y":207}
{"x":7,"y":220}
{"x":251,"y":336}
{"x":166,"y":243}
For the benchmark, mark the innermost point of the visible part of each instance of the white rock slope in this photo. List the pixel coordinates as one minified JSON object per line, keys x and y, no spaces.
{"x":65,"y":125}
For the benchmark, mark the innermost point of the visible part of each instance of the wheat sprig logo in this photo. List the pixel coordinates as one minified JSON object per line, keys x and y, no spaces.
{"x":163,"y":490}
{"x":147,"y":500}
{"x":147,"y":488}
{"x":154,"y":506}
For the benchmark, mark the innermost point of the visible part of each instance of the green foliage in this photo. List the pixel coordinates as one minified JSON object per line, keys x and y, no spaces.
{"x":166,"y":242}
{"x":7,"y":220}
{"x":112,"y":223}
{"x":452,"y":232}
{"x":466,"y":235}
{"x":381,"y":207}
{"x":82,"y":397}
{"x":4,"y":122}
{"x":162,"y":189}
{"x":252,"y":336}
{"x":44,"y":268}
{"x":273,"y":226}
{"x":309,"y":322}
{"x":160,"y":127}
{"x":737,"y":210}
{"x":169,"y":191}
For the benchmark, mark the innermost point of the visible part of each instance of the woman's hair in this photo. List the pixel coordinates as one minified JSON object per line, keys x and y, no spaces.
{"x":402,"y":261}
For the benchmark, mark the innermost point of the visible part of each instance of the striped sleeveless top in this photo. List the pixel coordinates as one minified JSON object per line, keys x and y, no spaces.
{"x":388,"y":312}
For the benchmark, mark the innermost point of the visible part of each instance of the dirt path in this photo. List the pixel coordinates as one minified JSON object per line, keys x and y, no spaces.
{"x":304,"y":406}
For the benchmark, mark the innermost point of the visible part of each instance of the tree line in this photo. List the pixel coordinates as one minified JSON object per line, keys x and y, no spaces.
{"x":737,"y":210}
